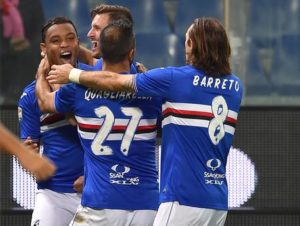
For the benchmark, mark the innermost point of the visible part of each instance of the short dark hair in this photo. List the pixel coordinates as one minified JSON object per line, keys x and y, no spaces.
{"x":116,"y":40}
{"x":53,"y":21}
{"x":116,"y":12}
{"x":211,"y":49}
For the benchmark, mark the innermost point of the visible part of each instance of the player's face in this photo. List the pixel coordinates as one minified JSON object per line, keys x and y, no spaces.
{"x":99,"y":22}
{"x":61,"y":44}
{"x":188,"y":46}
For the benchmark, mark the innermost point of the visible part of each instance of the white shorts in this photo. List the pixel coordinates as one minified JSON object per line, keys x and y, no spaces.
{"x":86,"y":216}
{"x":54,"y":208}
{"x":174,"y":214}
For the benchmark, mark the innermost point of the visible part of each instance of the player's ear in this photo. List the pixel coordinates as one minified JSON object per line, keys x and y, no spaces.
{"x":190,"y":43}
{"x":43,"y":49}
{"x":131,"y":55}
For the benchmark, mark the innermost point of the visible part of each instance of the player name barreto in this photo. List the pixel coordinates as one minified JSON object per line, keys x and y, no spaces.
{"x":216,"y":83}
{"x":91,"y":94}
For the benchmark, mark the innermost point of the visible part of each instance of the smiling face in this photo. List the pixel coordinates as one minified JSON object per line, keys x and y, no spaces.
{"x":61,"y":44}
{"x":99,"y":22}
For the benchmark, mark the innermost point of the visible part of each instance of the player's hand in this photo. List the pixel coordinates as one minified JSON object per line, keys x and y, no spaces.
{"x":78,"y":184}
{"x":31,"y":145}
{"x":59,"y":74}
{"x":38,"y":165}
{"x":71,"y":119}
{"x":44,"y":67}
{"x":140,"y":67}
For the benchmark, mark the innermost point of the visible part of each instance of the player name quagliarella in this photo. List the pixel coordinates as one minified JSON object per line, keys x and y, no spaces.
{"x":216,"y":83}
{"x":91,"y":94}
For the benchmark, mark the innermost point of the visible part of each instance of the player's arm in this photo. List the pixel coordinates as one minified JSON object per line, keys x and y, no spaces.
{"x":85,"y":56}
{"x":43,"y":90}
{"x":78,"y":184}
{"x":103,"y":80}
{"x":41,"y":167}
{"x":29,"y":121}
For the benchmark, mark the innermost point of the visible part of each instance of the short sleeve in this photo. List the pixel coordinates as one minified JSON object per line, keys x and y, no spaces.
{"x":154,"y":82}
{"x":29,"y":117}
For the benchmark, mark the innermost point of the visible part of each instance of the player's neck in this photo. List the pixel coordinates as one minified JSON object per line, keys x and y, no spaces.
{"x":118,"y":67}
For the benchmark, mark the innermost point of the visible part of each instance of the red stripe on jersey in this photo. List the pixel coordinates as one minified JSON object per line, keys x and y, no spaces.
{"x":186,"y":112}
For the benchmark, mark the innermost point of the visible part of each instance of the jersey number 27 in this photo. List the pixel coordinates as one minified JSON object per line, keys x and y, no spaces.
{"x":135,"y":114}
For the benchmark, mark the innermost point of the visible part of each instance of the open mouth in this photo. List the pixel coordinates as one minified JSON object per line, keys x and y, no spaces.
{"x":66,"y":56}
{"x":94,"y":45}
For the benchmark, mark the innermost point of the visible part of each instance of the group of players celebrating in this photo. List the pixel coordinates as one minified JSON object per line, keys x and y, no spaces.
{"x":104,"y":147}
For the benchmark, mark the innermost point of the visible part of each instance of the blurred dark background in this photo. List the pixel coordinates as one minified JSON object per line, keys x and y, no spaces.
{"x":265,"y":41}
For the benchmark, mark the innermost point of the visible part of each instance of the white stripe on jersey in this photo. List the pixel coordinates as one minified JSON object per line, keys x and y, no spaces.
{"x":117,"y":136}
{"x":119,"y":122}
{"x":192,"y":122}
{"x":55,"y":125}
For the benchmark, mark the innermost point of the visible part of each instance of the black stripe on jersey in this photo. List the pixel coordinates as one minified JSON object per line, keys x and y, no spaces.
{"x":114,"y":131}
{"x":53,"y":118}
{"x":186,"y":116}
{"x":195,"y":117}
{"x":146,"y":130}
{"x":90,"y":130}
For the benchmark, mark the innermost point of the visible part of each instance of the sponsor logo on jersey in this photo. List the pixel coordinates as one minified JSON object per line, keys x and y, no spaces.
{"x":213,"y":164}
{"x":214,"y":178}
{"x":119,"y":175}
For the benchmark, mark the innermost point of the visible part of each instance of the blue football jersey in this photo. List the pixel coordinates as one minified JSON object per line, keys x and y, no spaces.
{"x":118,"y":134}
{"x":58,"y":139}
{"x":199,"y":118}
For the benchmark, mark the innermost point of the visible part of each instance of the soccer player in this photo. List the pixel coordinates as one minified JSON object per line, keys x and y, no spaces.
{"x":38,"y":165}
{"x":118,"y":133}
{"x":101,"y":16}
{"x":56,"y":199}
{"x":202,"y":101}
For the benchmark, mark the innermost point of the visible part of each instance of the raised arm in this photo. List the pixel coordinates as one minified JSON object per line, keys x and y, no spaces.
{"x":41,"y":167}
{"x":42,"y":88}
{"x":103,"y":80}
{"x":85,"y":56}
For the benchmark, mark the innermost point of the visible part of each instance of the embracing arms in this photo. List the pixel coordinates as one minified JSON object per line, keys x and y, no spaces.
{"x":104,"y":80}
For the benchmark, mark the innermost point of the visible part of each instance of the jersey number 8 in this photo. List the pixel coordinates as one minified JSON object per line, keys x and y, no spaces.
{"x":216,"y":128}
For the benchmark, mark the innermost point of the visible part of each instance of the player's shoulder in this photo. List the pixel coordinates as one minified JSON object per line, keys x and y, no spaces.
{"x":28,"y":91}
{"x":180,"y":69}
{"x":86,"y":67}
